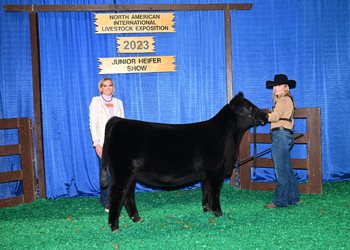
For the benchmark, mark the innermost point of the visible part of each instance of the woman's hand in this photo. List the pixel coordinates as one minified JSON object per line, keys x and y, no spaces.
{"x":99,"y":150}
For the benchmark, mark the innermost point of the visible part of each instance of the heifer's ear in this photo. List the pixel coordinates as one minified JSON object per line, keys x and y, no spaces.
{"x":239,"y":95}
{"x":237,"y":99}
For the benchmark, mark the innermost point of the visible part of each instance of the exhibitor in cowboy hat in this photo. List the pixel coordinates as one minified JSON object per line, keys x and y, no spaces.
{"x":279,"y":80}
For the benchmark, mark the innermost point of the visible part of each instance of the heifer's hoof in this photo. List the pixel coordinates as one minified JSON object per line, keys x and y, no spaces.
{"x":114,"y":228}
{"x":136,"y":219}
{"x":217,"y":213}
{"x":206,"y":208}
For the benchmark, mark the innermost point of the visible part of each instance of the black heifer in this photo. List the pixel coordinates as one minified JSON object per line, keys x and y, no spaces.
{"x":167,"y":155}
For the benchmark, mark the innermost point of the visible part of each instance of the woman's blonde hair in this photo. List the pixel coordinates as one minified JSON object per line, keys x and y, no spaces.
{"x":101,"y":83}
{"x":286,"y":93}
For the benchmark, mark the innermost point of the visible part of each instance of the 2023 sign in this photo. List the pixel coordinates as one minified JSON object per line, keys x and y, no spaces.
{"x":142,"y":44}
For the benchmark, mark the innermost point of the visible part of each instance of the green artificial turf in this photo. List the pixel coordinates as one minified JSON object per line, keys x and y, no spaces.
{"x":175,"y":220}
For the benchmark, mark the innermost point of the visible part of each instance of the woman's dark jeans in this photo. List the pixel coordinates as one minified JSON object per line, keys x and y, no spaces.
{"x":287,"y":191}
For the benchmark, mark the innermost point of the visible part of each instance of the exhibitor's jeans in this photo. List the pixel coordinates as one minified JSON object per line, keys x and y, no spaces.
{"x":105,"y":191}
{"x":287,"y":191}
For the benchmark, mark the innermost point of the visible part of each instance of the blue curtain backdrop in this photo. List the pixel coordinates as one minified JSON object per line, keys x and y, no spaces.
{"x":307,"y":40}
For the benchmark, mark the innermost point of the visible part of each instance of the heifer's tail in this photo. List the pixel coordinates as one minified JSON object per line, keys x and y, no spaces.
{"x":103,"y":173}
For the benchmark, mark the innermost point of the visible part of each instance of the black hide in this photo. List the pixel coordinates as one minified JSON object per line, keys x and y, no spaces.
{"x":167,"y":155}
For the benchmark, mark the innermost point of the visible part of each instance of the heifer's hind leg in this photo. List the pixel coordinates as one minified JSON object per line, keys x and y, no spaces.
{"x":205,"y":200}
{"x":130,"y":205}
{"x":119,"y":189}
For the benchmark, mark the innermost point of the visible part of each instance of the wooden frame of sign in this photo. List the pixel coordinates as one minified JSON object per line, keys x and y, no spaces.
{"x":34,"y":38}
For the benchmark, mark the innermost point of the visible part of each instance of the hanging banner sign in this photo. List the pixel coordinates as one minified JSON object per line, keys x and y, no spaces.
{"x":143,"y":44}
{"x":122,"y":65}
{"x":134,"y":23}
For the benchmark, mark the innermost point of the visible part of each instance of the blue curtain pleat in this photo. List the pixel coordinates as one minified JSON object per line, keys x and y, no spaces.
{"x":306,"y":40}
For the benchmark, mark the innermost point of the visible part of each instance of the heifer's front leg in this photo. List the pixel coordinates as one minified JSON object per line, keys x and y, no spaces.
{"x":216,"y":204}
{"x":205,"y":200}
{"x":214,"y":186}
{"x":130,"y":205}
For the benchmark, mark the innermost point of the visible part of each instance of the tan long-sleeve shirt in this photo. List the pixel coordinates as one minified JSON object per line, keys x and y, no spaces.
{"x":283,"y":109}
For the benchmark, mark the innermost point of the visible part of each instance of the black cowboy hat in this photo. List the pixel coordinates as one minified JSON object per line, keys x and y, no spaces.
{"x":279,"y":80}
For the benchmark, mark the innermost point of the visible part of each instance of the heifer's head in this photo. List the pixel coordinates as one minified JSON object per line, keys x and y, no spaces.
{"x":245,"y":108}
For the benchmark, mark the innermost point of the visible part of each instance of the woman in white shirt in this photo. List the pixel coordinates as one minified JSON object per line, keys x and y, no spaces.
{"x":102,"y":108}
